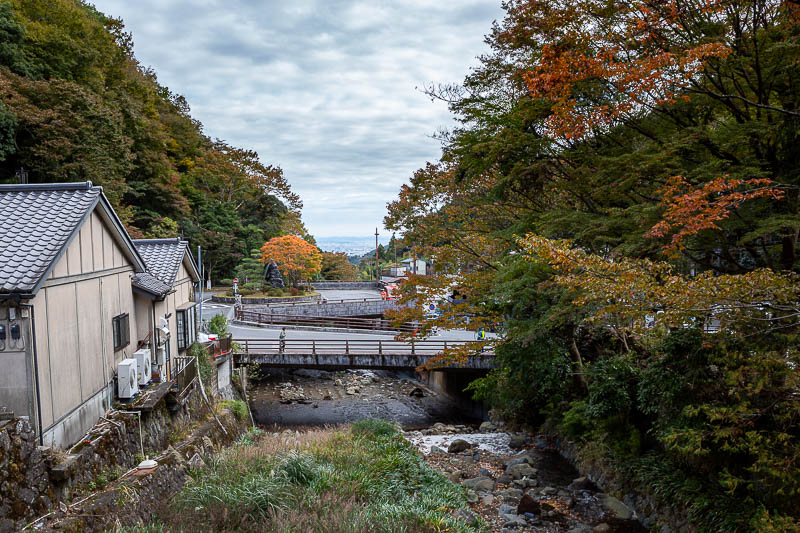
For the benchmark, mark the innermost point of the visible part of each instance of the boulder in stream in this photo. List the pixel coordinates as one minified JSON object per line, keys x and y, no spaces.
{"x":458,"y":445}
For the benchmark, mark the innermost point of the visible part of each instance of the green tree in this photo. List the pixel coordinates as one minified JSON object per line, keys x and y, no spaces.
{"x":251,"y":269}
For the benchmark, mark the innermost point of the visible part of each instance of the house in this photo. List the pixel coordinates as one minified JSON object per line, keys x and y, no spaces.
{"x":66,"y":305}
{"x":394,"y":270}
{"x":415,"y":266}
{"x":165,"y":297}
{"x":77,"y":296}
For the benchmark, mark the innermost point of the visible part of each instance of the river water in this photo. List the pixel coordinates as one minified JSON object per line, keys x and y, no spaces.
{"x":316,"y":398}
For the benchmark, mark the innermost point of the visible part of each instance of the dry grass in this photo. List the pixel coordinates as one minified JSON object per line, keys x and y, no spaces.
{"x":346,"y":479}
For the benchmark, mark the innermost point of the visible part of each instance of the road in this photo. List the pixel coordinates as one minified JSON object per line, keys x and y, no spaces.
{"x":248,"y":332}
{"x":349,"y":295}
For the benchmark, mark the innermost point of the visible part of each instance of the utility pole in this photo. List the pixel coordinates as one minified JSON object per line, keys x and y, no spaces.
{"x":202,"y":280}
{"x":377,"y":270}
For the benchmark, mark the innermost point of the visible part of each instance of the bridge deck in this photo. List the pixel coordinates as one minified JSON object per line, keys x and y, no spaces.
{"x":340,"y":354}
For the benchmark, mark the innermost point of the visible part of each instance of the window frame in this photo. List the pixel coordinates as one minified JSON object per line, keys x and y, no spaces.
{"x":186,"y":329}
{"x":121,"y":331}
{"x":180,"y":329}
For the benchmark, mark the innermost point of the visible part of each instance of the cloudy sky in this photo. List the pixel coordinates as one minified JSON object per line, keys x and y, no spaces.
{"x":327,"y":89}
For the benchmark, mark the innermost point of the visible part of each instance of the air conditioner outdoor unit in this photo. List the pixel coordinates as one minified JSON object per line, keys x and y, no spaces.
{"x":127,"y":383}
{"x":143,"y":368}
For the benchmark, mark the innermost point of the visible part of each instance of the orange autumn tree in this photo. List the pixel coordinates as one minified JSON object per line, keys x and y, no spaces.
{"x":601,"y":63}
{"x":296,"y":258}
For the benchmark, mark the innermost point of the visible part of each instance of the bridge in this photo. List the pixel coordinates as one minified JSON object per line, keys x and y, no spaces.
{"x":340,"y":354}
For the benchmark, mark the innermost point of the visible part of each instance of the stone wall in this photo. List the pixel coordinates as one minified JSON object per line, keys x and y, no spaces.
{"x":651,"y":511}
{"x":24,"y":484}
{"x":350,"y":308}
{"x":34,"y":479}
{"x":138,"y":494}
{"x":345,"y":285}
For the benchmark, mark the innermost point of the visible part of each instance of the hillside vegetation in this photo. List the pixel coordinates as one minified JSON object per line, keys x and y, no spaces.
{"x":77,"y":106}
{"x":620,"y":199}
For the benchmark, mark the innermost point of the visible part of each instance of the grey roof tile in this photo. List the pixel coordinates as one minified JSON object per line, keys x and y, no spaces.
{"x":162,"y":257}
{"x":151,"y":284}
{"x":36,"y":222}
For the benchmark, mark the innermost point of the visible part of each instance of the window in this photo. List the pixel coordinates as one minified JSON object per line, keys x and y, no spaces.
{"x":187,"y":332}
{"x":122,"y":331}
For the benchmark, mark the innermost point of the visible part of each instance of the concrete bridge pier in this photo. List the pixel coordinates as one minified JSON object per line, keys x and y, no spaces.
{"x":451,"y":383}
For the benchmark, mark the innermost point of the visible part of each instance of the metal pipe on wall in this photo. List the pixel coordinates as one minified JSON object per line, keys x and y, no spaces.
{"x":36,"y":372}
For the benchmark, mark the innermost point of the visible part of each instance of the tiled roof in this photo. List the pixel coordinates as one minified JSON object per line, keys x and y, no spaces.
{"x":151,"y":284}
{"x":36,"y":222}
{"x":162,"y":256}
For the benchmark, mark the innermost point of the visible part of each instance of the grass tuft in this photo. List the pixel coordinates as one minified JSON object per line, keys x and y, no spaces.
{"x":362,"y":478}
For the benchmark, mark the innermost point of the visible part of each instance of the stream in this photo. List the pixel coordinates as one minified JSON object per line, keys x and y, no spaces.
{"x":514,"y":482}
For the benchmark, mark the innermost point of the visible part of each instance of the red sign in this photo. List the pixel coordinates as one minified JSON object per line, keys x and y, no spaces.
{"x":235,"y":281}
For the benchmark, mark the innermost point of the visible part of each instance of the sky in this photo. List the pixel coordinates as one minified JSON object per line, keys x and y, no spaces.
{"x":329,"y":90}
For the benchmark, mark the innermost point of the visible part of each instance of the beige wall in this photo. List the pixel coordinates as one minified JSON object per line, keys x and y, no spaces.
{"x":88,"y":287}
{"x":143,"y":307}
{"x":182,"y":293}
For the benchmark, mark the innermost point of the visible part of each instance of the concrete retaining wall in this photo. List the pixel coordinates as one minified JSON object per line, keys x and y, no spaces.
{"x":353,"y":308}
{"x":345,"y":285}
{"x":329,"y":361}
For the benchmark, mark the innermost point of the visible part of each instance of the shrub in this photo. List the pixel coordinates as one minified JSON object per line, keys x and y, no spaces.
{"x":576,"y":422}
{"x":206,"y":368}
{"x":226,"y":282}
{"x":237,"y":407}
{"x":218,"y":325}
{"x":294,"y":291}
{"x":375,"y":428}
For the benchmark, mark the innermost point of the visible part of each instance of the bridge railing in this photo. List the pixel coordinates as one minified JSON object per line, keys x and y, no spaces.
{"x":372,"y":324}
{"x":348,"y":346}
{"x":326,"y":301}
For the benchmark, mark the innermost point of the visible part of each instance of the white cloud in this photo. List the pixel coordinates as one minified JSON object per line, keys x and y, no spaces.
{"x":324,"y":88}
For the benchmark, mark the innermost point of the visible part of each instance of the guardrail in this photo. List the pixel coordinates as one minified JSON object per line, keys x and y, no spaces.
{"x":371,"y":324}
{"x":219,"y":347}
{"x":186,"y":374}
{"x":350,"y":346}
{"x":343,"y":354}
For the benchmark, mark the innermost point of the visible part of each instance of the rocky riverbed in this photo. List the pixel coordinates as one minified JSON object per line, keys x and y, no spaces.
{"x":318,"y":398}
{"x":520,"y":484}
{"x":515,"y":482}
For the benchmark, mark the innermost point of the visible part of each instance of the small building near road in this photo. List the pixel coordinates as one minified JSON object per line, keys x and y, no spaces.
{"x":77,"y":297}
{"x":66,"y":305}
{"x":415,"y":266}
{"x":165,"y":295}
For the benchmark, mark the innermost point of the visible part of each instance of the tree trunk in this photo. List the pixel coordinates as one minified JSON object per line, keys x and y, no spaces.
{"x":577,"y":363}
